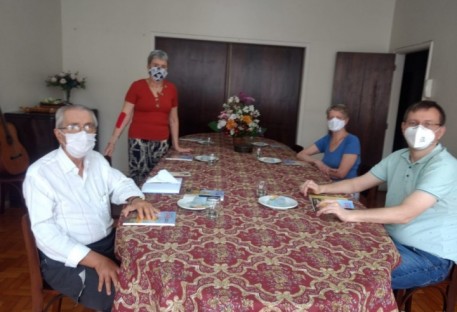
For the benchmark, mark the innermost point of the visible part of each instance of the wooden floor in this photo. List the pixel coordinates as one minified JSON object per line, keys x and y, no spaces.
{"x":14,"y":278}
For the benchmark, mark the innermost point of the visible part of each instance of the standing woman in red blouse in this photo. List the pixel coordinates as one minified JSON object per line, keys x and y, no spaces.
{"x":151,"y":110}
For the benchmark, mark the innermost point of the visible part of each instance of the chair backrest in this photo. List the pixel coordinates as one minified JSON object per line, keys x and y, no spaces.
{"x":36,"y":280}
{"x":451,"y":291}
{"x":447,"y":289}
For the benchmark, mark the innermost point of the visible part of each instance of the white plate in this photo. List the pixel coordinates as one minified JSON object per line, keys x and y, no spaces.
{"x":260,"y":144}
{"x":289,"y":202}
{"x":186,"y":201}
{"x":205,"y":158}
{"x":270,"y":160}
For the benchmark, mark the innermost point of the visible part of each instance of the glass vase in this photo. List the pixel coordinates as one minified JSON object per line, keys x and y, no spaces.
{"x":67,"y":97}
{"x":242,"y":144}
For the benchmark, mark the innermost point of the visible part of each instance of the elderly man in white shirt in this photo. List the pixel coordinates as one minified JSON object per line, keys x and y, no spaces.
{"x":68,"y":194}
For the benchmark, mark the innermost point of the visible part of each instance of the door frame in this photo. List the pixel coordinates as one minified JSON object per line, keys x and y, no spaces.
{"x":396,"y":88}
{"x":297,"y":44}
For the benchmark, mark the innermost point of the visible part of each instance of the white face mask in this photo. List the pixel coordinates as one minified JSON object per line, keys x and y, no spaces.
{"x":335,"y":124}
{"x":79,"y":144}
{"x":419,"y":137}
{"x":158,"y":73}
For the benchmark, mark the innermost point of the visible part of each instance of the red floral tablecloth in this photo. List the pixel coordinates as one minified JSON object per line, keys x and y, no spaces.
{"x":252,"y":258}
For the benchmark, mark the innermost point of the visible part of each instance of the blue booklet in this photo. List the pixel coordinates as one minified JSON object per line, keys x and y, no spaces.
{"x":292,"y":162}
{"x":180,"y":157}
{"x":164,"y":218}
{"x":212,"y":193}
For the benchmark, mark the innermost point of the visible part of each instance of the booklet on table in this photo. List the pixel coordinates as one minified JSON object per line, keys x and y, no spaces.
{"x":164,"y":218}
{"x":316,"y":199}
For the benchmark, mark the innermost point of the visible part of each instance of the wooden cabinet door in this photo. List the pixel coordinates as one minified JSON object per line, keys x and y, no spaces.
{"x":198,"y":69}
{"x":272,"y":75}
{"x":362,"y":81}
{"x":206,"y":73}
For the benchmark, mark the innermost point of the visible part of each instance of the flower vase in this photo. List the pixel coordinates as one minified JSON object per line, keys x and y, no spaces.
{"x":242,"y":145}
{"x":67,"y":97}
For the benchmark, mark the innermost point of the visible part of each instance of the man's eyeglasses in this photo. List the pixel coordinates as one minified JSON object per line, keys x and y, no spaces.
{"x":73,"y":128}
{"x":427,"y":124}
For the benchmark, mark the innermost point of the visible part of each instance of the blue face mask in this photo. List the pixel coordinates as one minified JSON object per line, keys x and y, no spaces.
{"x":158,"y":73}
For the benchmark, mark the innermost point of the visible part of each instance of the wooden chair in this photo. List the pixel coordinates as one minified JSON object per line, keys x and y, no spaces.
{"x":39,"y":287}
{"x":447,"y":289}
{"x":115,"y":209}
{"x":6,"y":183}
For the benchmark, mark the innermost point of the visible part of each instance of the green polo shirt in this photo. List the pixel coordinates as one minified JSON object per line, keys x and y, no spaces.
{"x":435,"y":230}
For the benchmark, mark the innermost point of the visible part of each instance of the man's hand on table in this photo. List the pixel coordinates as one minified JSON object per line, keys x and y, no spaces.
{"x":144,"y":209}
{"x":330,"y":206}
{"x":309,"y":186}
{"x":327,"y":206}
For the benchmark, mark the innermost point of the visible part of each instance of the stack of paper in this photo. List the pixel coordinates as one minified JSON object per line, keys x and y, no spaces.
{"x":162,"y":183}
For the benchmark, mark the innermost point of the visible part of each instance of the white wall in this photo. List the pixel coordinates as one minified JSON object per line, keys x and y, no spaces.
{"x":419,"y":21}
{"x":31,"y":50}
{"x":108,"y":41}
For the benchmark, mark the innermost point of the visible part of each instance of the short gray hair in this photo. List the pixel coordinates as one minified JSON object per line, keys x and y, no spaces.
{"x":339,"y":108}
{"x":158,"y":54}
{"x":61,"y":112}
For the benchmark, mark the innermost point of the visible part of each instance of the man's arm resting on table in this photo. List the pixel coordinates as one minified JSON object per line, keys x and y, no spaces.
{"x":348,"y":186}
{"x":144,"y":208}
{"x":410,"y":208}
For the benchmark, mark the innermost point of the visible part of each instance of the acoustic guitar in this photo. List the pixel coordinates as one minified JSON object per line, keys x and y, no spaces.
{"x":13,"y":156}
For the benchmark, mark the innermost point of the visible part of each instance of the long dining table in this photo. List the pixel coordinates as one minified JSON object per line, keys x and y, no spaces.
{"x":251,"y":257}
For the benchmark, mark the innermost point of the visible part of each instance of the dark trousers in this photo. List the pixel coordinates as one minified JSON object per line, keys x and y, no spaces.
{"x":69,"y":280}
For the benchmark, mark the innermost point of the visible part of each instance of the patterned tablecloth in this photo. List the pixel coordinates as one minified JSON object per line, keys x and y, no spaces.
{"x":252,"y":258}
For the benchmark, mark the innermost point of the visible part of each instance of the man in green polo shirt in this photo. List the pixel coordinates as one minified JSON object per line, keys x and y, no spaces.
{"x":421,"y":201}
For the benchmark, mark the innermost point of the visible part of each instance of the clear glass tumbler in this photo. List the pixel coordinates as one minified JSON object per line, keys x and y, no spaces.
{"x":213,"y":207}
{"x":262,"y":189}
{"x":211,"y":159}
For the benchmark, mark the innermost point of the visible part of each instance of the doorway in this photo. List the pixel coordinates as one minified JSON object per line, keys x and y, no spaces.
{"x":412,"y":84}
{"x":362,"y":81}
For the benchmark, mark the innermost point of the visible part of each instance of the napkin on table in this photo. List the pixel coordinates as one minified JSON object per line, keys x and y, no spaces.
{"x":164,"y":176}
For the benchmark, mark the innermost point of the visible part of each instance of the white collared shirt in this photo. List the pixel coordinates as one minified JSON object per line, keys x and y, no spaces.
{"x":68,"y":211}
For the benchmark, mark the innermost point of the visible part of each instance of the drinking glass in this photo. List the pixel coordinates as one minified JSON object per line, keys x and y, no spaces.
{"x":261,"y":189}
{"x":211,"y":159}
{"x":213,"y":207}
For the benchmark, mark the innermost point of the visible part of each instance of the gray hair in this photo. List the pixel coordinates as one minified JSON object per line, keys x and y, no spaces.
{"x":158,"y":54}
{"x":61,"y":112}
{"x":339,"y":108}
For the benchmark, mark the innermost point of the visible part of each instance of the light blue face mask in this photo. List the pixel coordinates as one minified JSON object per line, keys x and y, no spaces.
{"x":336,"y":124}
{"x":158,"y":73}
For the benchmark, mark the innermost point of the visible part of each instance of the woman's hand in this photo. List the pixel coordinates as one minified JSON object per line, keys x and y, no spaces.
{"x":144,"y":208}
{"x":332,"y":207}
{"x":309,"y":186}
{"x":182,"y":149}
{"x":322,"y":167}
{"x":109,"y":149}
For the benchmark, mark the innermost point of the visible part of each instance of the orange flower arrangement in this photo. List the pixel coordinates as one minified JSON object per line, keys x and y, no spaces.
{"x":239,"y":117}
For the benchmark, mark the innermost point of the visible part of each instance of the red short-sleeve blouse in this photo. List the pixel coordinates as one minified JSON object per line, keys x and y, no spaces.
{"x":150,"y":117}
